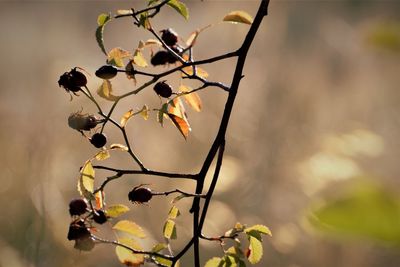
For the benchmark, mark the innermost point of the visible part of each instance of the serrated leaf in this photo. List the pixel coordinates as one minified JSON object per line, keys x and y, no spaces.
{"x":158,"y":247}
{"x":127,"y":115}
{"x":124,"y":12}
{"x":102,"y":19}
{"x":102,"y":155}
{"x":114,"y":211}
{"x":255,"y":249}
{"x":119,"y":147}
{"x":213,"y":262}
{"x":129,"y":227}
{"x":173,"y":212}
{"x":86,"y":181}
{"x":139,"y":60}
{"x":192,"y":99}
{"x":99,"y":196}
{"x":180,"y":8}
{"x":182,"y":124}
{"x":262,"y":229}
{"x":126,"y":256}
{"x":145,"y":112}
{"x":239,"y":16}
{"x":116,"y":55}
{"x":169,"y":229}
{"x":105,"y":91}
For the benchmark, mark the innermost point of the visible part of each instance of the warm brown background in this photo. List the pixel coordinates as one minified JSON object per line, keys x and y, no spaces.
{"x":319,"y":104}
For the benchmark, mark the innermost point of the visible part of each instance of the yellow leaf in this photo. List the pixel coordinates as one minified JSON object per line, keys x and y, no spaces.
{"x":193,"y":37}
{"x":124,"y":12}
{"x":192,"y":99}
{"x":102,"y":155}
{"x":126,"y":256}
{"x":116,"y":56}
{"x":173,"y":212}
{"x":177,"y":108}
{"x":145,"y":112}
{"x":182,"y":124}
{"x":86,"y":181}
{"x":138,"y":59}
{"x":119,"y":147}
{"x":238,"y":17}
{"x":126,"y":117}
{"x":99,"y":196}
{"x":169,"y":229}
{"x":116,"y":210}
{"x":129,"y":227}
{"x":199,"y":72}
{"x":105,"y":91}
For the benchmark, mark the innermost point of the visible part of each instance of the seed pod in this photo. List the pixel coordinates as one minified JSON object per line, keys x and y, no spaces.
{"x":169,"y":36}
{"x":160,"y":58}
{"x":140,"y":195}
{"x":98,"y":140}
{"x":78,"y":230}
{"x":99,"y":216}
{"x":77,"y":207}
{"x":106,"y":72}
{"x":163,"y":89}
{"x":82,"y":122}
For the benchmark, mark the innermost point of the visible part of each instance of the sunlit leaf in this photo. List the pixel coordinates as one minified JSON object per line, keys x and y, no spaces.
{"x":144,"y":20}
{"x":116,"y":56}
{"x":126,"y":256}
{"x":169,"y":230}
{"x":86,"y":181}
{"x":158,"y":247}
{"x":255,"y":248}
{"x":152,"y":42}
{"x":214,"y":262}
{"x":235,"y":251}
{"x":99,"y":196}
{"x":105,"y":91}
{"x":180,"y":8}
{"x":102,"y":19}
{"x":161,"y":112}
{"x":145,"y":112}
{"x":138,"y":59}
{"x":193,"y":37}
{"x":238,"y":17}
{"x":119,"y":147}
{"x":199,"y":72}
{"x":124,"y":12}
{"x":182,"y":125}
{"x":193,"y":99}
{"x":102,"y":155}
{"x":173,"y":212}
{"x":129,"y":227}
{"x":262,"y":229}
{"x":114,"y":211}
{"x":163,"y":262}
{"x":127,"y":115}
{"x":176,"y":107}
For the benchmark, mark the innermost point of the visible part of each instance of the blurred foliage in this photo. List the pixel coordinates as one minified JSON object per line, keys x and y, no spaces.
{"x":385,"y":36}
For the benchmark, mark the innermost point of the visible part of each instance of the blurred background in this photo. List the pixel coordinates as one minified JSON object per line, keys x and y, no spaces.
{"x":312,"y":149}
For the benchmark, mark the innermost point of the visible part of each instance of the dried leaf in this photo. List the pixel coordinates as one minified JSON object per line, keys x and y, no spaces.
{"x":199,"y":72}
{"x":102,"y":155}
{"x":119,"y":147}
{"x":145,"y":112}
{"x":116,"y":56}
{"x":129,"y":227}
{"x":126,"y":256}
{"x":192,"y":99}
{"x":182,"y":124}
{"x":124,"y":120}
{"x":152,"y":42}
{"x":124,"y":12}
{"x":193,"y":37}
{"x":169,"y":230}
{"x":86,"y":181}
{"x":138,"y":59}
{"x":105,"y":91}
{"x":130,"y":71}
{"x":238,"y":17}
{"x":99,"y":196}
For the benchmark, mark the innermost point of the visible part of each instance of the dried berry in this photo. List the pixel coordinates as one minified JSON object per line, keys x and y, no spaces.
{"x":106,"y":72}
{"x":160,"y":58}
{"x":78,"y":78}
{"x":99,"y":216}
{"x":140,"y":194}
{"x":98,"y":140}
{"x":163,"y":89}
{"x":72,"y":81}
{"x":169,"y":36}
{"x":78,"y":230}
{"x":82,"y":122}
{"x":77,"y":207}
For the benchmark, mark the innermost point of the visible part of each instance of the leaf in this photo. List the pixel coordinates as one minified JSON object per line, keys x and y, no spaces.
{"x":180,"y":8}
{"x":102,"y":19}
{"x":385,"y":36}
{"x":193,"y":37}
{"x":255,"y":248}
{"x":158,"y":247}
{"x":152,"y":42}
{"x":102,"y":155}
{"x":124,"y":12}
{"x":99,"y":196}
{"x":199,"y":72}
{"x":182,"y":125}
{"x":119,"y":147}
{"x":145,"y":112}
{"x":130,"y":71}
{"x":144,"y":20}
{"x":161,"y":112}
{"x":262,"y":229}
{"x":235,"y":252}
{"x":105,"y":91}
{"x":214,"y":262}
{"x":126,"y":256}
{"x":86,"y":181}
{"x":116,"y":210}
{"x":124,"y":120}
{"x":192,"y":99}
{"x":163,"y":262}
{"x":129,"y":227}
{"x":177,"y":198}
{"x":173,"y":213}
{"x":138,"y":59}
{"x":116,"y":55}
{"x":169,"y":229}
{"x":239,"y":17}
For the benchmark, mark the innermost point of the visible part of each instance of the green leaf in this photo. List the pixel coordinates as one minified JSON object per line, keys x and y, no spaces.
{"x":214,"y":262}
{"x":158,"y":247}
{"x":102,"y":19}
{"x":126,"y":256}
{"x":129,"y":227}
{"x":169,"y":230}
{"x":235,"y":252}
{"x":173,"y":212}
{"x":114,"y":211}
{"x":238,"y":16}
{"x":163,"y":262}
{"x":144,"y":20}
{"x":363,"y":210}
{"x":255,"y":247}
{"x":105,"y":91}
{"x":86,"y":181}
{"x":161,"y":112}
{"x":262,"y":229}
{"x":180,"y":8}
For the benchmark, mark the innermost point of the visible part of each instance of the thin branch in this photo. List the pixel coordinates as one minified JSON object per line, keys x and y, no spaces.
{"x":177,"y":191}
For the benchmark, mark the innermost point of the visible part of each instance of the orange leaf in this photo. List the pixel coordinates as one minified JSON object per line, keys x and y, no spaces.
{"x":193,"y":99}
{"x":182,"y":124}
